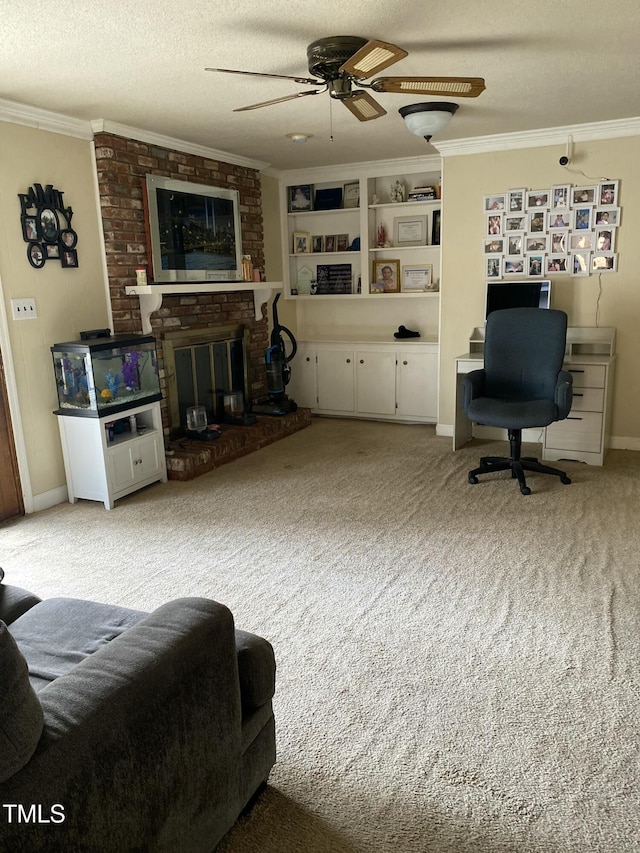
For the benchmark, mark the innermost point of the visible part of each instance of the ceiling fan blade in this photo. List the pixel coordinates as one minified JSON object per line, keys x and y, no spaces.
{"x":462,"y":87}
{"x":363,"y":106}
{"x":309,"y":80}
{"x":277,"y":100}
{"x":372,"y":58}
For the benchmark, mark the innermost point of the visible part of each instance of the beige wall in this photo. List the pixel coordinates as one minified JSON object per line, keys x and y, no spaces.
{"x":466,"y":179}
{"x":68,"y":300}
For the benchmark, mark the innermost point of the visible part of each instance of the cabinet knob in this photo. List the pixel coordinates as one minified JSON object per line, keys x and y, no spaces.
{"x":405,"y":362}
{"x":362,"y":361}
{"x":308,"y":359}
{"x":348,"y":361}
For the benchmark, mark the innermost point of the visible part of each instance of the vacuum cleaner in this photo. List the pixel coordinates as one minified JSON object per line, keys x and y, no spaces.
{"x":278,"y":370}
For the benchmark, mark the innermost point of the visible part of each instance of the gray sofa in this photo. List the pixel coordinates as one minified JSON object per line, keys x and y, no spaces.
{"x":130,"y":731}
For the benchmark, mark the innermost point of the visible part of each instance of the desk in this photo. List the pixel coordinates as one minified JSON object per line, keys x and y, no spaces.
{"x":584,"y":435}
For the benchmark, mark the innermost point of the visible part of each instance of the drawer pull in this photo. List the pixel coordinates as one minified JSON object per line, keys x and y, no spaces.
{"x":578,"y":395}
{"x":570,"y":418}
{"x":575,"y":370}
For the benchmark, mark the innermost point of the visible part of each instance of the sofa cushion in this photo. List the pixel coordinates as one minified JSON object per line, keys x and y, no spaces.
{"x":59,"y":633}
{"x":256,"y":669}
{"x":14,"y":601}
{"x":21,"y":718}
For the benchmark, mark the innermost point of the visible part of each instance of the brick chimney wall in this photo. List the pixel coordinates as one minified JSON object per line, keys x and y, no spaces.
{"x":121,"y":166}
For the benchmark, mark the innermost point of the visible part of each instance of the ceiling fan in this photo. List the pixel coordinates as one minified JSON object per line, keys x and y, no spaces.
{"x":344,"y":62}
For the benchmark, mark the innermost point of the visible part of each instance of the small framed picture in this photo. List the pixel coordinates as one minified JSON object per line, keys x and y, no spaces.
{"x":493,"y":266}
{"x":580,"y":262}
{"x":537,"y":221}
{"x":300,"y":198}
{"x":539,"y":243}
{"x":583,"y":195}
{"x":581,"y":241}
{"x":604,"y":262}
{"x":535,"y":265}
{"x":69,"y":238}
{"x":435,"y":228}
{"x":559,"y":242}
{"x":515,"y":244}
{"x":609,"y":216}
{"x":582,"y":218}
{"x":29,"y":228}
{"x":49,"y":225}
{"x":410,"y":230}
{"x":330,"y":243}
{"x":515,"y":223}
{"x":559,"y":219}
{"x":301,"y":242}
{"x":35,"y":255}
{"x":69,"y":258}
{"x":514,"y":266}
{"x":386,"y":277}
{"x":342,"y":242}
{"x":494,"y":245}
{"x":560,"y":195}
{"x":351,"y":194}
{"x":494,"y":202}
{"x":494,"y":224}
{"x":538,"y":198}
{"x":53,"y":250}
{"x":607,"y":194}
{"x":317,"y":243}
{"x":516,"y":201}
{"x":557,"y":264}
{"x":417,"y":279}
{"x":605,"y":240}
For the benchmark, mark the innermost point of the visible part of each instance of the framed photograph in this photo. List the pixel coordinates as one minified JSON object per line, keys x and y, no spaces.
{"x":604,"y":262}
{"x":582,"y":218}
{"x":539,"y":243}
{"x":538,"y":198}
{"x":607,"y":194}
{"x":580,"y":263}
{"x":537,"y":222}
{"x":515,"y":223}
{"x":35,"y":255}
{"x":514,"y":266}
{"x":351,"y":194}
{"x":29,"y":228}
{"x":494,"y":202}
{"x":317,"y":243}
{"x":494,"y":224}
{"x":515,"y":244}
{"x":581,"y":241}
{"x":609,"y":216}
{"x":385,"y":277}
{"x":330,"y":243}
{"x":68,"y":238}
{"x":417,"y":279}
{"x":560,"y":195}
{"x":410,"y":231}
{"x":49,"y":225}
{"x":556,"y":264}
{"x":494,"y":245}
{"x":559,"y":242}
{"x":435,"y":228}
{"x":342,"y":242}
{"x":493,"y":267}
{"x":604,"y":240}
{"x":583,"y":195}
{"x":69,"y":258}
{"x":559,"y":219}
{"x":301,"y":242}
{"x":328,"y":199}
{"x":53,"y":250}
{"x":535,"y":264}
{"x":516,"y":201}
{"x":300,"y":198}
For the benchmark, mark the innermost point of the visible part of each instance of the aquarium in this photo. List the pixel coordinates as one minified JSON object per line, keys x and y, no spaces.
{"x":99,"y":377}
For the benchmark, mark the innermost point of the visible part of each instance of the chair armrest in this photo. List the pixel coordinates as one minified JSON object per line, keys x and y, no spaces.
{"x":472,"y":387}
{"x":564,"y":394}
{"x":141,"y":741}
{"x":14,"y":602}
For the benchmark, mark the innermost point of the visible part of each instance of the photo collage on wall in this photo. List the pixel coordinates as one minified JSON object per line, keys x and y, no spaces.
{"x":566,"y":229}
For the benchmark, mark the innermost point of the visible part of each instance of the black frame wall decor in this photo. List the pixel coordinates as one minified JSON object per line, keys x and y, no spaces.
{"x":46,"y":227}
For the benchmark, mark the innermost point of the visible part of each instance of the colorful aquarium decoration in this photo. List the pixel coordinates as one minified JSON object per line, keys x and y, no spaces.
{"x":105,"y":375}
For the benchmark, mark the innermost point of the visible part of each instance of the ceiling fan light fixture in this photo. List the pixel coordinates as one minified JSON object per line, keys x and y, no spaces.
{"x":429,"y":118}
{"x":299,"y":138}
{"x":363,"y":106}
{"x":372,"y":58}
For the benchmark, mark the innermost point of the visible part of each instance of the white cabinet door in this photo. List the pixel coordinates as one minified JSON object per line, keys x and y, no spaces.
{"x":417,"y":385}
{"x":336,"y":380}
{"x":376,"y":382}
{"x":122,"y":473}
{"x":302,"y":387}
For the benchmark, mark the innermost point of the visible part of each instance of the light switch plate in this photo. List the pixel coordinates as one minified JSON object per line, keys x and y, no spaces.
{"x":24,"y":309}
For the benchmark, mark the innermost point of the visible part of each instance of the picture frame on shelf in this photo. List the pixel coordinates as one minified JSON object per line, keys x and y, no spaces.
{"x":342,"y":242}
{"x":317,"y":243}
{"x":417,"y":279}
{"x":330,"y":243}
{"x":351,"y":194}
{"x":385,"y":276}
{"x":301,"y":242}
{"x":329,"y":198}
{"x":580,"y":262}
{"x":604,"y":262}
{"x":300,"y":198}
{"x":607,"y":194}
{"x":493,"y":268}
{"x":410,"y":231}
{"x":435,"y":227}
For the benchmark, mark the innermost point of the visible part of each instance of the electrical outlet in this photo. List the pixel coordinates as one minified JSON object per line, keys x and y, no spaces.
{"x":24,"y":309}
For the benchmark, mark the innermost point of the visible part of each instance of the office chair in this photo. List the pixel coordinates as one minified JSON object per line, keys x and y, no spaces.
{"x":522,"y":384}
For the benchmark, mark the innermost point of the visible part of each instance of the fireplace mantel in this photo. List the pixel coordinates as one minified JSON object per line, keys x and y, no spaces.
{"x":150,"y":296}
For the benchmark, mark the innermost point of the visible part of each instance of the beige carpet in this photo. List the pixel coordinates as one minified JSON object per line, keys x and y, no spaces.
{"x":457,"y":664}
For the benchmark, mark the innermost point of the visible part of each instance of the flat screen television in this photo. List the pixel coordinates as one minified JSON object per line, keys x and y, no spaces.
{"x":194,"y":231}
{"x":517,"y":294}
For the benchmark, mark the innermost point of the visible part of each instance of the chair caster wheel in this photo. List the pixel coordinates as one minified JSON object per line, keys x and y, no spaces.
{"x":473,"y":479}
{"x":525,"y":490}
{"x":565,"y":480}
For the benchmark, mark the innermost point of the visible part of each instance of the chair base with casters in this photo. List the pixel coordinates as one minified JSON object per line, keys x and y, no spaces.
{"x":516,"y":463}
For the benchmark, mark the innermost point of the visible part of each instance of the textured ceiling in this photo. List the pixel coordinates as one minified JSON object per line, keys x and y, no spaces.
{"x":546,"y":64}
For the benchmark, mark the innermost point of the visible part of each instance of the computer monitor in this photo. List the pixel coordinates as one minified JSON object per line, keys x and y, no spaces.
{"x":517,"y":294}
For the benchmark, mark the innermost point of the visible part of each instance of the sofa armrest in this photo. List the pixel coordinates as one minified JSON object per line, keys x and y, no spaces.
{"x":141,"y":740}
{"x":14,"y":602}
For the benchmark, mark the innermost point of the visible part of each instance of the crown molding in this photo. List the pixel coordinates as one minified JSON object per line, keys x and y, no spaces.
{"x":426,"y":163}
{"x":17,"y":113}
{"x":539,"y":138}
{"x":105,"y":126}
